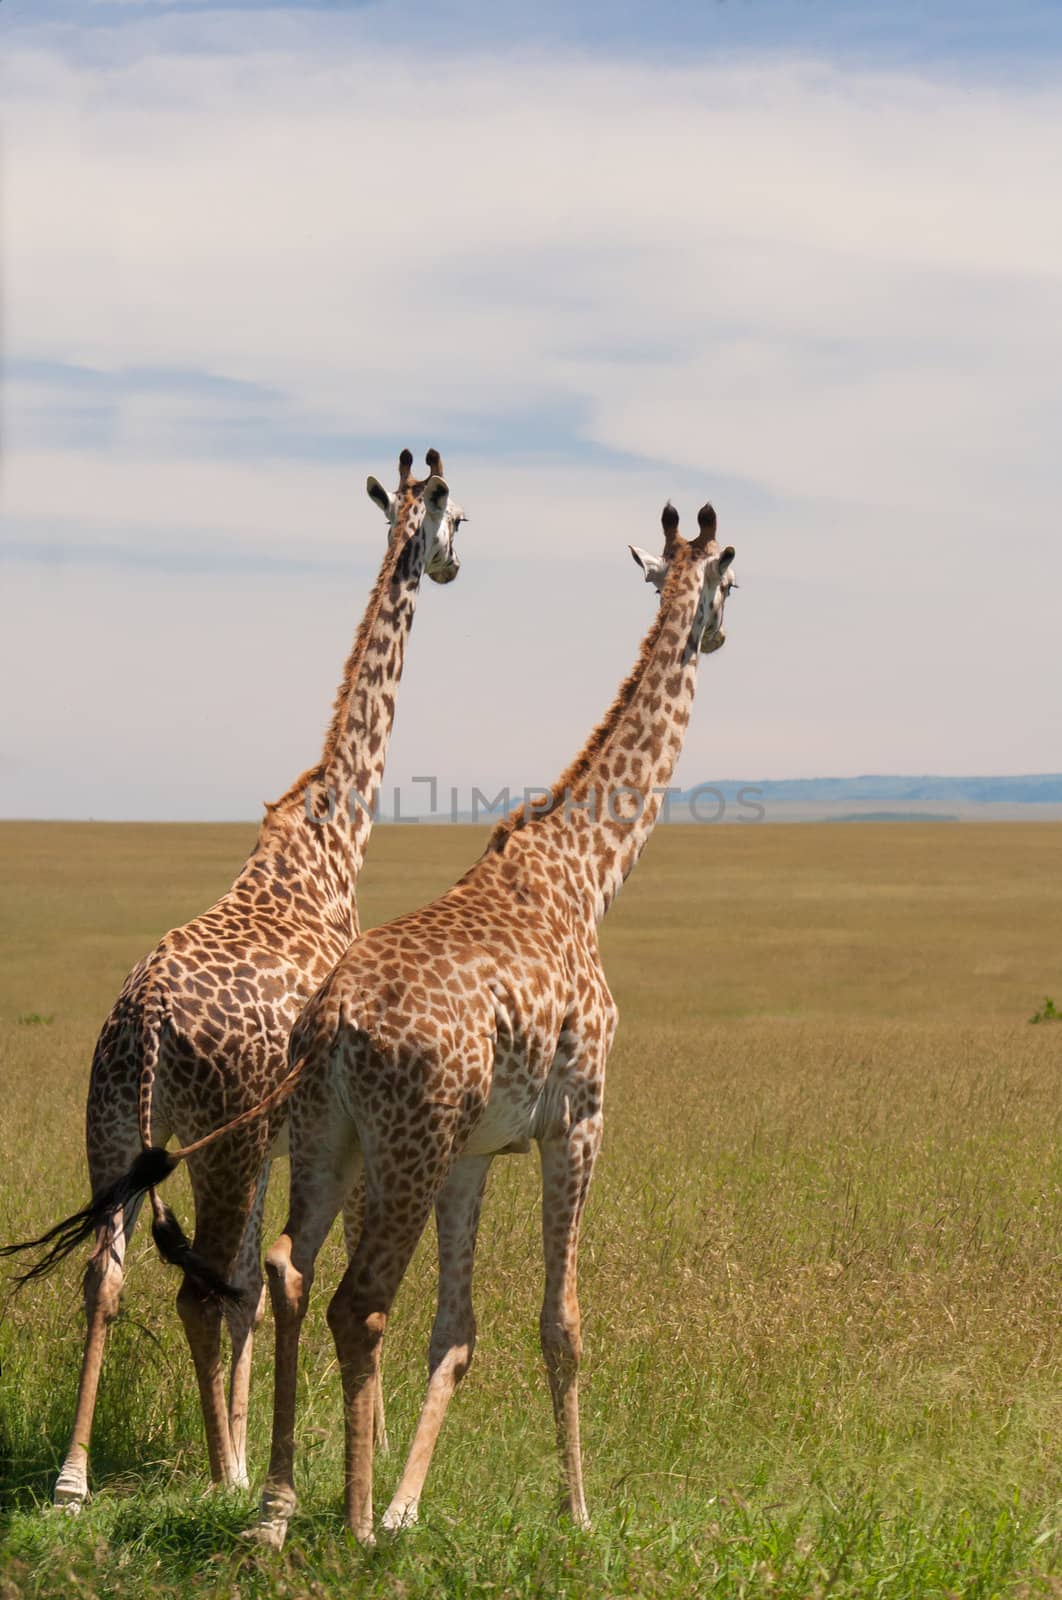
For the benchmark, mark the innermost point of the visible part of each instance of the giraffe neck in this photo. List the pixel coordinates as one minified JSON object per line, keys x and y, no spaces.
{"x":322,"y":823}
{"x":355,"y":752}
{"x":605,"y":806}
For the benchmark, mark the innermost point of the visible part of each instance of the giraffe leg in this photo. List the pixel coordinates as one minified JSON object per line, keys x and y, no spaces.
{"x":567,"y":1164}
{"x":353,"y":1216}
{"x":357,"y":1316}
{"x":243,"y":1320}
{"x":224,"y":1183}
{"x":202,"y":1325}
{"x":453,"y":1336}
{"x":320,"y":1184}
{"x":103,"y":1288}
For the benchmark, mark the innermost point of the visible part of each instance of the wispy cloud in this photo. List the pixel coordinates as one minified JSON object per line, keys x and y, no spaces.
{"x":238,"y":280}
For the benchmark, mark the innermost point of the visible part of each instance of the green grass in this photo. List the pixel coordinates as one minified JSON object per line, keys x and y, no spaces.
{"x":820,"y":1273}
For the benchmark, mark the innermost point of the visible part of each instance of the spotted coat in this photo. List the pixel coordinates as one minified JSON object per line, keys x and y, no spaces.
{"x":466,"y":1030}
{"x":199,"y":1031}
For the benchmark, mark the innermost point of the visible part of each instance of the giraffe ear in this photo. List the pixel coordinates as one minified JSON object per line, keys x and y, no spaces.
{"x":436,"y":494}
{"x":377,"y":493}
{"x":654,"y":567}
{"x":725,"y":559}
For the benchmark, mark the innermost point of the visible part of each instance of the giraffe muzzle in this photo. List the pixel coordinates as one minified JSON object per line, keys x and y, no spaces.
{"x":446,"y":572}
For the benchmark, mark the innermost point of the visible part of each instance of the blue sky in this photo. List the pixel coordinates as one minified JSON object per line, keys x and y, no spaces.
{"x":946,"y":34}
{"x":803,"y":258}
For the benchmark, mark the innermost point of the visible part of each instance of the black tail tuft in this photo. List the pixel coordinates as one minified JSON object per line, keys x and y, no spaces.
{"x":150,"y":1167}
{"x":173,"y":1246}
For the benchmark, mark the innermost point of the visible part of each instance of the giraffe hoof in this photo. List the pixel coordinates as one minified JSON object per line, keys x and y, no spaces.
{"x":68,"y":1507}
{"x":401,"y":1514}
{"x":270,"y":1535}
{"x":69,"y":1495}
{"x":275,"y":1514}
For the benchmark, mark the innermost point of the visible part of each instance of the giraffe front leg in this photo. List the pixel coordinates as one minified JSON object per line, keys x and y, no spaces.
{"x":567,"y":1156}
{"x":453,"y":1336}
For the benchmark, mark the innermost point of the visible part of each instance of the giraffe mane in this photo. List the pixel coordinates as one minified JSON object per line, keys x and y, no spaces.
{"x":294,"y":794}
{"x":574,"y":775}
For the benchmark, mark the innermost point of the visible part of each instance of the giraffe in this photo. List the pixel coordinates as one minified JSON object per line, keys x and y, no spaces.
{"x":200,"y":1028}
{"x":466,"y":1030}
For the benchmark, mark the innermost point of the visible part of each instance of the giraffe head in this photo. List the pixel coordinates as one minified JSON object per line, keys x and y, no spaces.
{"x":706,"y":559}
{"x":423,"y":507}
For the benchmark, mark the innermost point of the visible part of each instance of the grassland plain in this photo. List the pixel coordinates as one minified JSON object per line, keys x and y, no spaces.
{"x":821,"y":1263}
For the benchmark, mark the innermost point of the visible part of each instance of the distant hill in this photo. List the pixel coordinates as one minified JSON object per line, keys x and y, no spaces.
{"x":877,"y":797}
{"x":1039,"y":788}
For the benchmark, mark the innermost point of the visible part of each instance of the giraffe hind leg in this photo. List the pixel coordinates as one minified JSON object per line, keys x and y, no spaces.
{"x":224,"y":1183}
{"x":324,"y":1171}
{"x":453,"y":1335}
{"x":353,"y":1216}
{"x":103,"y":1280}
{"x":243,"y":1318}
{"x":357,"y":1316}
{"x":397,"y":1206}
{"x":104,"y":1275}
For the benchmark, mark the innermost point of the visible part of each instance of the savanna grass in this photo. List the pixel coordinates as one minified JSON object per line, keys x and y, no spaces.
{"x":820,"y":1273}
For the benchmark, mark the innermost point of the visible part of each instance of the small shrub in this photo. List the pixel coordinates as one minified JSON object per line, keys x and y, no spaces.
{"x":1048,"y":1013}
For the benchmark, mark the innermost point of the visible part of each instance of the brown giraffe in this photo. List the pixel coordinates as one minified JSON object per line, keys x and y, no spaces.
{"x":200,"y":1029}
{"x":463,"y":1031}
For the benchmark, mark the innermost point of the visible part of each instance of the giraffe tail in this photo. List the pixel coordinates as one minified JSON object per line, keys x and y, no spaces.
{"x":171,"y":1241}
{"x":152,"y":1167}
{"x":149,"y":1168}
{"x":175,"y":1248}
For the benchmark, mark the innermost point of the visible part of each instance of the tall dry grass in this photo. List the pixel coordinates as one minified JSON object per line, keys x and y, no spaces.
{"x":820,"y":1273}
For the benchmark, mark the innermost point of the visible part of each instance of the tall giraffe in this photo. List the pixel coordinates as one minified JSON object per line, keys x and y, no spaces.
{"x":465,"y":1030}
{"x":200,"y":1028}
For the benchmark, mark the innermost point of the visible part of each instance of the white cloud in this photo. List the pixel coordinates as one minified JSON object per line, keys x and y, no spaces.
{"x":831,"y":300}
